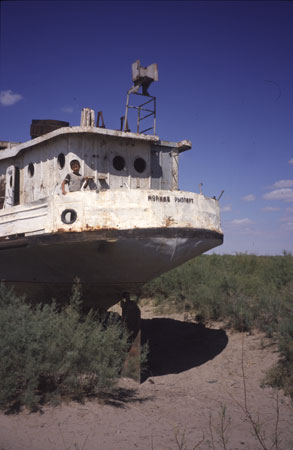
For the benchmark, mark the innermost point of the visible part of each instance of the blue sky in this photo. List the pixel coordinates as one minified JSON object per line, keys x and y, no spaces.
{"x":225,"y":83}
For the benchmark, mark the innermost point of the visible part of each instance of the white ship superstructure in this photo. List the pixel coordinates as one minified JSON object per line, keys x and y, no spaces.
{"x":130,"y":224}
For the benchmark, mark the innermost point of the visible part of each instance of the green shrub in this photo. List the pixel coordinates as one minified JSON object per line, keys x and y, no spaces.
{"x":245,"y":291}
{"x":46,"y":353}
{"x":282,"y":374}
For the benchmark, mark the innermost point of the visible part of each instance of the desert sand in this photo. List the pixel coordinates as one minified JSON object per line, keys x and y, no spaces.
{"x":192,"y":396}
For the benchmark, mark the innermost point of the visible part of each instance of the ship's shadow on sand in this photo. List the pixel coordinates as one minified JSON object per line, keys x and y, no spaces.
{"x":176,"y":346}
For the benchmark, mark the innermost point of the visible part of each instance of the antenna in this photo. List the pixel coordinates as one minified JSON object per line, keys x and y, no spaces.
{"x":142,"y":77}
{"x":222,"y":192}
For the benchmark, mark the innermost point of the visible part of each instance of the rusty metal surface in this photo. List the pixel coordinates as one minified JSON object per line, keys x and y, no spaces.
{"x":130,"y":226}
{"x":8,"y":153}
{"x":114,"y":209}
{"x":107,"y":262}
{"x":131,"y":317}
{"x":13,"y":151}
{"x":143,"y":76}
{"x":41,"y":127}
{"x":43,"y":167}
{"x":120,"y":240}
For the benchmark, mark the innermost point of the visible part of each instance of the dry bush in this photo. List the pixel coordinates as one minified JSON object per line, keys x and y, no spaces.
{"x":46,"y":353}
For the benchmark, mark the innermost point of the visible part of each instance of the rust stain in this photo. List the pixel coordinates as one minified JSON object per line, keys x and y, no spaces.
{"x":86,"y":228}
{"x":61,"y":230}
{"x":169,"y":221}
{"x":90,"y":228}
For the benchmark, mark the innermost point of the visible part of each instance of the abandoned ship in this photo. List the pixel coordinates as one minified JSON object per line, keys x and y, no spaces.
{"x":127,"y":224}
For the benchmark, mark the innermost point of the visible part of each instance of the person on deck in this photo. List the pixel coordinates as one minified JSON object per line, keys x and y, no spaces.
{"x":74,"y":180}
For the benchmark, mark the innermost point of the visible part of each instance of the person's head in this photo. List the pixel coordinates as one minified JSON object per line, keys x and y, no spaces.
{"x":75,"y":165}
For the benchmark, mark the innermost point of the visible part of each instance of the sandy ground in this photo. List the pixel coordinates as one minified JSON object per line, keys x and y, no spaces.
{"x":193,"y":389}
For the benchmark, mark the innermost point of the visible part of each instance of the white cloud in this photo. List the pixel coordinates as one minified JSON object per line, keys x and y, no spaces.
{"x":290,"y":161}
{"x":285,"y":195}
{"x":283,"y":184}
{"x":241,"y":226}
{"x":67,"y":109}
{"x":249,"y":198}
{"x":270,"y":208}
{"x":8,"y":98}
{"x":226,"y":208}
{"x":245,"y":221}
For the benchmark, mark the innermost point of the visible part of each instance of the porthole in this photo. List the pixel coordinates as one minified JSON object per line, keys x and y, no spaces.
{"x":31,"y":169}
{"x":69,"y":216}
{"x":118,"y":163}
{"x":140,"y":165}
{"x":61,"y":160}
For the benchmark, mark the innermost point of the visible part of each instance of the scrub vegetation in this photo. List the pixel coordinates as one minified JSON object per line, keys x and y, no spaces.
{"x":244,"y":291}
{"x":47,"y":354}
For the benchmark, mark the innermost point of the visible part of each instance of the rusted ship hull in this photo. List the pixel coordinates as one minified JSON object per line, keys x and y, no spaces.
{"x":131,"y":224}
{"x":107,"y":262}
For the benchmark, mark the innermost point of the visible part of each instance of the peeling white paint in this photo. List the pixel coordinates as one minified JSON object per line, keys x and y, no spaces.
{"x":132,"y":223}
{"x":115,"y":209}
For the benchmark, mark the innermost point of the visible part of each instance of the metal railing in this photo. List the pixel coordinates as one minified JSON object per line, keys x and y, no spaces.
{"x":140,"y":111}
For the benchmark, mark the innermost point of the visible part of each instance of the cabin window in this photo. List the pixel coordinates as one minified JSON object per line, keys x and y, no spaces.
{"x":119,"y":163}
{"x":140,"y":165}
{"x":16,"y":186}
{"x":61,"y":160}
{"x":2,"y":191}
{"x":12,"y":188}
{"x":31,"y":170}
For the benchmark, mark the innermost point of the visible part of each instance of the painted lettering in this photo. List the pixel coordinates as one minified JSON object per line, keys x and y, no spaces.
{"x":183,"y":200}
{"x":157,"y":198}
{"x":166,"y":199}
